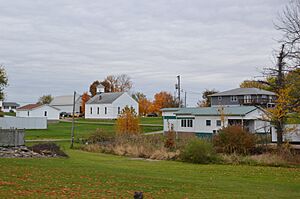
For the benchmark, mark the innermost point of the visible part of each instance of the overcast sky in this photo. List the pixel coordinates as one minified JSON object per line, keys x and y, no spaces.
{"x":58,"y":46}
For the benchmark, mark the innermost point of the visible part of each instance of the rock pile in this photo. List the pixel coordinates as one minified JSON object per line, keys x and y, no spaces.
{"x":23,"y":152}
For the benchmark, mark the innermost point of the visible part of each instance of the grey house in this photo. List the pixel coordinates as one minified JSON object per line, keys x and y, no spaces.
{"x":243,"y":97}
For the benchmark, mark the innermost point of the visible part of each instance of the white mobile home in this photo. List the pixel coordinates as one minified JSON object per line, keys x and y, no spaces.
{"x":38,"y":110}
{"x":108,"y":105}
{"x":206,"y":121}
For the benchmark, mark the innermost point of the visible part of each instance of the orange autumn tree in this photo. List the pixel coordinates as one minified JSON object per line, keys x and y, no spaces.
{"x":161,"y":100}
{"x":128,"y":122}
{"x":84,"y":98}
{"x":144,"y":106}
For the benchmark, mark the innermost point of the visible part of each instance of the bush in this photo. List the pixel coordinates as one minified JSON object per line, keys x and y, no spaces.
{"x":48,"y":149}
{"x":170,"y":140}
{"x":100,"y":136}
{"x":234,"y":139}
{"x":198,"y":151}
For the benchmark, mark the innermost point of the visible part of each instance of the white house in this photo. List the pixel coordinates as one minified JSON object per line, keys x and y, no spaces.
{"x":9,"y":106}
{"x":65,"y":103}
{"x":204,"y":122}
{"x":38,"y":110}
{"x":108,"y":105}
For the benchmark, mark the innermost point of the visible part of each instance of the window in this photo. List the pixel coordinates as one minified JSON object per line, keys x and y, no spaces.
{"x":6,"y":107}
{"x":91,"y":110}
{"x":218,"y":122}
{"x":45,"y":113}
{"x":187,"y":123}
{"x":233,"y":98}
{"x":183,"y":123}
{"x":98,"y":110}
{"x":190,"y":123}
{"x":105,"y":110}
{"x":247,"y":98}
{"x":119,"y":110}
{"x":208,"y":122}
{"x":220,"y":98}
{"x":13,"y":107}
{"x":27,"y":113}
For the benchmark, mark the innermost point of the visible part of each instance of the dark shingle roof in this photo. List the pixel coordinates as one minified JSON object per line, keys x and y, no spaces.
{"x":105,"y":98}
{"x":11,"y":104}
{"x":243,"y":91}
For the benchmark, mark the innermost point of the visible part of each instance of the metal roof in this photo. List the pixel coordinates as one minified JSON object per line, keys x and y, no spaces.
{"x":243,"y":91}
{"x":64,"y":100}
{"x":105,"y":98}
{"x":10,"y":104}
{"x":215,"y":111}
{"x":169,"y":109}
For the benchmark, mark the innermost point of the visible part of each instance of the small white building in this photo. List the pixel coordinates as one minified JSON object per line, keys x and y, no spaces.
{"x":204,"y":122}
{"x":9,"y":106}
{"x":65,"y":103}
{"x":38,"y":110}
{"x":108,"y":105}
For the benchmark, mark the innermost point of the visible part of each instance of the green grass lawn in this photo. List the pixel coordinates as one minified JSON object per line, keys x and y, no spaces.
{"x":10,"y":114}
{"x":62,"y":130}
{"x":143,"y":120}
{"x":92,"y":175}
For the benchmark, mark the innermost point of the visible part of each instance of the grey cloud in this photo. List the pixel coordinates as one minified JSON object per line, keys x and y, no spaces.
{"x":63,"y":45}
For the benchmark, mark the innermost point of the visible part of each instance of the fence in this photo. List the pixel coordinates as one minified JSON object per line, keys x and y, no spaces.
{"x":12,"y":137}
{"x":23,"y":123}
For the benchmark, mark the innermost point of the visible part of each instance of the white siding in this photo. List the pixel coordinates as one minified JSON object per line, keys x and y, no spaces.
{"x":52,"y":113}
{"x":168,"y":122}
{"x":94,"y":114}
{"x":123,"y":101}
{"x":68,"y":108}
{"x":112,"y":109}
{"x":292,"y":135}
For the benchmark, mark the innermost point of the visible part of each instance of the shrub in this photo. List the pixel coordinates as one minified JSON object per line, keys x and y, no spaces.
{"x":233,"y":139}
{"x":128,"y":122}
{"x":100,"y":136}
{"x":49,"y":149}
{"x":198,"y":151}
{"x":170,"y":140}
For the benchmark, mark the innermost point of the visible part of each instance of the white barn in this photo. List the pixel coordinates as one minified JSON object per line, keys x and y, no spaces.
{"x":108,"y":105}
{"x":38,"y":110}
{"x":65,"y":103}
{"x":204,"y":122}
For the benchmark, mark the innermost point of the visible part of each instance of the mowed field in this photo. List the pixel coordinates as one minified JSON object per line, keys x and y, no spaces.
{"x":83,"y":128}
{"x":94,"y":175}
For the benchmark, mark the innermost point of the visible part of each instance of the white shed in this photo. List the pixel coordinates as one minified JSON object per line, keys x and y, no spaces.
{"x":39,"y":110}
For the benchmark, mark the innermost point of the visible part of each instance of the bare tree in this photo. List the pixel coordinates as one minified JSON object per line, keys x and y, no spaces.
{"x":289,"y":24}
{"x":124,"y":83}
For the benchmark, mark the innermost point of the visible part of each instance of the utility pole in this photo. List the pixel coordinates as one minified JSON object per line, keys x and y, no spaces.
{"x":179,"y":90}
{"x":72,"y":131}
{"x":185,"y":99}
